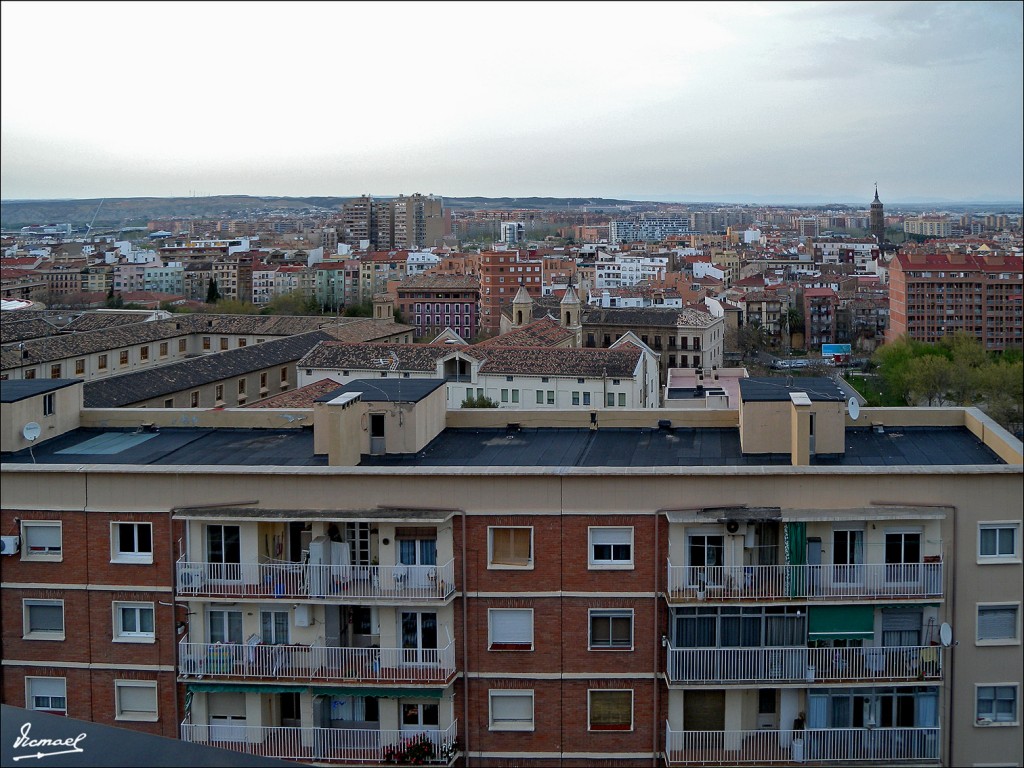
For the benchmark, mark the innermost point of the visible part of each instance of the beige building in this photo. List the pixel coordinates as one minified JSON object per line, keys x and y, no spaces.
{"x":786,"y":582}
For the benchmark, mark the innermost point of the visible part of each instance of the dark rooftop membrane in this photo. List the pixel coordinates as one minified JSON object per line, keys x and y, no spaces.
{"x":608,"y":447}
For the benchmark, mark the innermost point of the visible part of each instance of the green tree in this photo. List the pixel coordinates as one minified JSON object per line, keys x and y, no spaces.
{"x":968,"y":357}
{"x":234,"y":307}
{"x":478,"y":401}
{"x":212,"y":292}
{"x":294,"y":303}
{"x":929,"y":377}
{"x":752,"y":339}
{"x":1001,"y":388}
{"x":363,"y":309}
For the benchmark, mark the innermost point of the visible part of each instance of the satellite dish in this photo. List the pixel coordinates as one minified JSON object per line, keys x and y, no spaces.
{"x":31,"y":431}
{"x":854,"y":407}
{"x":946,"y":635}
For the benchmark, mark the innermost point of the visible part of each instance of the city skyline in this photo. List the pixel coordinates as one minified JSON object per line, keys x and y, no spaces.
{"x":786,"y":102}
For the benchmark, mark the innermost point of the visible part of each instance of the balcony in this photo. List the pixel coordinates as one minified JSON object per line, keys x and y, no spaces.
{"x":802,"y":583}
{"x":388,"y":584}
{"x":834,"y":745}
{"x":315,"y":663}
{"x":327,"y":745}
{"x":767,"y":666}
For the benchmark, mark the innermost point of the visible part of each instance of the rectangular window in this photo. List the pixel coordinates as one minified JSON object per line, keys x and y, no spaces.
{"x":274,"y":627}
{"x":134,"y":622}
{"x":511,"y":710}
{"x":41,"y":540}
{"x":515,"y":395}
{"x":611,"y":547}
{"x":224,"y":343}
{"x":49,"y":404}
{"x":586,"y":398}
{"x":55,"y":371}
{"x":622,"y":399}
{"x":284,"y":376}
{"x":80,"y":367}
{"x":998,"y":542}
{"x":182,"y":345}
{"x":504,"y":395}
{"x":131,"y":543}
{"x":998,"y":624}
{"x":135,"y":700}
{"x":101,"y":362}
{"x":123,"y":357}
{"x":610,"y":710}
{"x":551,"y":397}
{"x":144,"y":353}
{"x":996,"y":704}
{"x":44,"y":619}
{"x":510,"y":629}
{"x":242,"y":343}
{"x":540,"y":397}
{"x":206,"y":343}
{"x":263,"y":382}
{"x":194,"y":399}
{"x":30,"y":373}
{"x":611,"y":630}
{"x":575,"y":398}
{"x":47,"y":694}
{"x":218,"y":393}
{"x":510,"y":547}
{"x":163,"y":349}
{"x":241,"y":387}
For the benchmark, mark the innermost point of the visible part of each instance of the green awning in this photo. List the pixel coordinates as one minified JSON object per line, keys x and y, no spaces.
{"x":382,"y":693}
{"x":243,"y":688}
{"x":840,"y":622}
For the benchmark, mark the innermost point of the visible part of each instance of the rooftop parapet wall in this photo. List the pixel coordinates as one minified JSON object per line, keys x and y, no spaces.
{"x":497,"y":418}
{"x":200,"y":418}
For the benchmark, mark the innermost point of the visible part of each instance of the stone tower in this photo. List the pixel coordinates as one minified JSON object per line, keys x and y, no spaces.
{"x":569,"y":314}
{"x":877,"y":219}
{"x":522,"y":308}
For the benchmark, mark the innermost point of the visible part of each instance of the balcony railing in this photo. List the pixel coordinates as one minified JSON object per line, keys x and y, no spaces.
{"x":406,"y":583}
{"x":883,"y":581}
{"x":745,"y":666}
{"x":330,"y":745}
{"x":315,"y":663}
{"x":840,"y":745}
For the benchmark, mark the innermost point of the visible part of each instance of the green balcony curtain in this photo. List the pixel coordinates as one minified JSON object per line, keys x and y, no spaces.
{"x":795,"y":541}
{"x":840,"y":622}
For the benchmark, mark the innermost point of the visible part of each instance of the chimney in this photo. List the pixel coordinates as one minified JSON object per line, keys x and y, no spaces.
{"x":800,"y":429}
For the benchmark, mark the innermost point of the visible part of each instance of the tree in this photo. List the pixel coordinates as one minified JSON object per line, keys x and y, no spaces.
{"x":752,"y":339}
{"x":929,"y":378}
{"x":478,"y":401}
{"x":294,"y":303}
{"x":235,"y":307}
{"x":1001,"y":387}
{"x":212,"y":292}
{"x":363,"y":309}
{"x":967,"y":356}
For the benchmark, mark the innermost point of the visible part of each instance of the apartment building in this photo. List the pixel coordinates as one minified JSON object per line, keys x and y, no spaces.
{"x":929,"y":226}
{"x":932,"y":295}
{"x":781,"y":583}
{"x":501,"y":275}
{"x":434,"y":302}
{"x":820,"y":306}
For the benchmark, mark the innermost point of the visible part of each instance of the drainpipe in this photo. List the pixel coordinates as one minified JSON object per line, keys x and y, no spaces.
{"x":465,"y":642}
{"x":656,"y":640}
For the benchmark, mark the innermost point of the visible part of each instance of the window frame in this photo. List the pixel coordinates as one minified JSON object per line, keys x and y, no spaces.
{"x":1015,"y":687}
{"x":119,"y":713}
{"x":41,"y":634}
{"x":120,"y":634}
{"x":612,"y":728}
{"x":507,"y":646}
{"x":49,"y":404}
{"x":495,"y":566}
{"x":610,"y":614}
{"x":29,"y":696}
{"x":987,"y":641}
{"x":511,"y":725}
{"x":997,"y":558}
{"x":131,"y":558}
{"x":47,"y":556}
{"x":611,"y":563}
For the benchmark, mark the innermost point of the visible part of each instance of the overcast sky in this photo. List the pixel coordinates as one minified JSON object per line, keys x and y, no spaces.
{"x":662,"y":101}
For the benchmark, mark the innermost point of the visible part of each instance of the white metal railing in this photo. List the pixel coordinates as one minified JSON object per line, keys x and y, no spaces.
{"x":803,"y":582}
{"x":301,"y":580}
{"x":315,"y":662}
{"x":360,"y":745}
{"x":715,"y":666}
{"x":842,"y":745}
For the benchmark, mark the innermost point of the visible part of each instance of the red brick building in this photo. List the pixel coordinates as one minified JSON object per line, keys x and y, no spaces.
{"x":501,"y":274}
{"x":435,"y":302}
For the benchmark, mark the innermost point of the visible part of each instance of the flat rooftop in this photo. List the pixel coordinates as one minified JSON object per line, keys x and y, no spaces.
{"x":528,"y":447}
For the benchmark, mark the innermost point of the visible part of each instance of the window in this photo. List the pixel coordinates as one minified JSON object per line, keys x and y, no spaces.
{"x":206,"y":342}
{"x":284,"y":376}
{"x":218,"y":393}
{"x":996,"y":704}
{"x":101,"y":362}
{"x":998,"y":542}
{"x":515,"y":395}
{"x":586,"y":398}
{"x":224,"y":343}
{"x":163,"y":349}
{"x":610,"y":710}
{"x":263,"y":382}
{"x":611,"y":630}
{"x":80,"y":367}
{"x":123,"y":357}
{"x":55,"y":371}
{"x":551,"y":397}
{"x":44,"y":619}
{"x":41,"y":540}
{"x":169,"y":402}
{"x":48,"y":694}
{"x":511,"y":710}
{"x":144,"y":353}
{"x":194,"y":399}
{"x":610,"y":399}
{"x":182,"y":345}
{"x":622,"y":399}
{"x":540,"y":397}
{"x":49,"y":404}
{"x":131,"y":542}
{"x":241,"y":388}
{"x":274,"y":627}
{"x":135,"y":700}
{"x":575,"y":398}
{"x":611,"y":547}
{"x":510,"y":547}
{"x":242,"y":343}
{"x":510,"y":629}
{"x":30,"y":373}
{"x":998,"y":624}
{"x":134,"y":622}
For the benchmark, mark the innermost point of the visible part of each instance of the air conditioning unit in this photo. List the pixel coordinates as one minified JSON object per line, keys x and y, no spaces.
{"x":732,"y":526}
{"x":192,"y":578}
{"x":9,"y":545}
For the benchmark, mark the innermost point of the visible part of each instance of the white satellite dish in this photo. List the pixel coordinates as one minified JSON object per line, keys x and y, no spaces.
{"x":31,"y":431}
{"x":854,"y":407}
{"x":946,"y":635}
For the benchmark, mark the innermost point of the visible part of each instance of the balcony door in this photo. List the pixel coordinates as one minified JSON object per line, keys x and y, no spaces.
{"x":704,"y":711}
{"x":848,"y":557}
{"x":902,"y":556}
{"x":706,"y":556}
{"x":419,"y":637}
{"x":421,"y":552}
{"x":419,"y":717}
{"x":224,"y":552}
